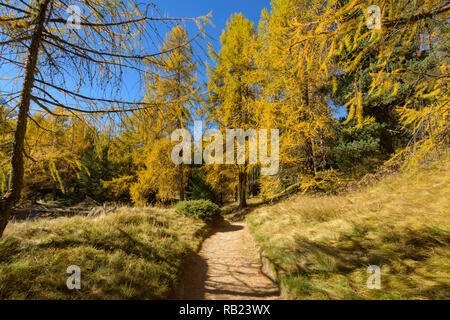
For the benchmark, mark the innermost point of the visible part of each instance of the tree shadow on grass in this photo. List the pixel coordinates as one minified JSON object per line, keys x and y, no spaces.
{"x":131,"y":246}
{"x":350,"y":253}
{"x":236,"y":214}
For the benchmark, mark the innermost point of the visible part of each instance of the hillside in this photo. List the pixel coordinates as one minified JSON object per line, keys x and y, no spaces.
{"x":322,"y":246}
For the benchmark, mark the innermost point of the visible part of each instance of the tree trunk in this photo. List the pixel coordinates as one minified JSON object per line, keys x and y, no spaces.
{"x":181,"y":187}
{"x":242,"y":189}
{"x":313,"y":155}
{"x":310,"y":153}
{"x":12,"y":196}
{"x":384,"y":115}
{"x":386,"y":142}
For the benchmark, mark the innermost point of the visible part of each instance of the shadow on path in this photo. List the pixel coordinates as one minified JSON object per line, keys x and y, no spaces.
{"x":227,"y":267}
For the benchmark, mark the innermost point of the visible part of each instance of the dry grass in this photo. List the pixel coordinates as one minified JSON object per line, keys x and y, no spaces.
{"x":322,"y":246}
{"x":129,"y":254}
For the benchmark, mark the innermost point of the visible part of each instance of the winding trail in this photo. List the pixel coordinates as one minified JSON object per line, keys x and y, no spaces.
{"x":227,"y":268}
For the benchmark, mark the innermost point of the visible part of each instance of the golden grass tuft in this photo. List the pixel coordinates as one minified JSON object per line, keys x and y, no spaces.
{"x":129,"y":254}
{"x":322,"y":246}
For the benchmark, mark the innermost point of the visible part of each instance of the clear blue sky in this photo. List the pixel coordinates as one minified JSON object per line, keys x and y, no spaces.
{"x":221,"y":10}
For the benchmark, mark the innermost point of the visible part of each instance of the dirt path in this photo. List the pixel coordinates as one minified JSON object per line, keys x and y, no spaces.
{"x":227,"y":267}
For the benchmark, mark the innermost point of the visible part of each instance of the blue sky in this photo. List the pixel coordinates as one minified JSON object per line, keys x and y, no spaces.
{"x":221,"y":11}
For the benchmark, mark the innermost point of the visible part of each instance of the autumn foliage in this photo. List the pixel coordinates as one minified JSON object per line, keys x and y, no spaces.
{"x":345,"y":97}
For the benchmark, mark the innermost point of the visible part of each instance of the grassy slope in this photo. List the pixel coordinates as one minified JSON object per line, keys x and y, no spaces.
{"x":322,"y":246}
{"x":130,"y":254}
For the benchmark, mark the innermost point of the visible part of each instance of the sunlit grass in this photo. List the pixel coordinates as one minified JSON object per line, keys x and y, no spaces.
{"x":322,"y":246}
{"x":129,"y":254}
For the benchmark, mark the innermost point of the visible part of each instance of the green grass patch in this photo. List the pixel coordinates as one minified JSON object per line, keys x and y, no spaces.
{"x":199,"y":209}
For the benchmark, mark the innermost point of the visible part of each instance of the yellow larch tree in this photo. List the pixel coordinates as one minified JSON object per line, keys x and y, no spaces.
{"x":173,"y":85}
{"x":291,"y":99}
{"x":231,"y":87}
{"x":359,"y":29}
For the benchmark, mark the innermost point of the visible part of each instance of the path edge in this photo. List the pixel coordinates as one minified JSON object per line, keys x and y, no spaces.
{"x":204,"y":233}
{"x":268,"y":268}
{"x":177,"y":292}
